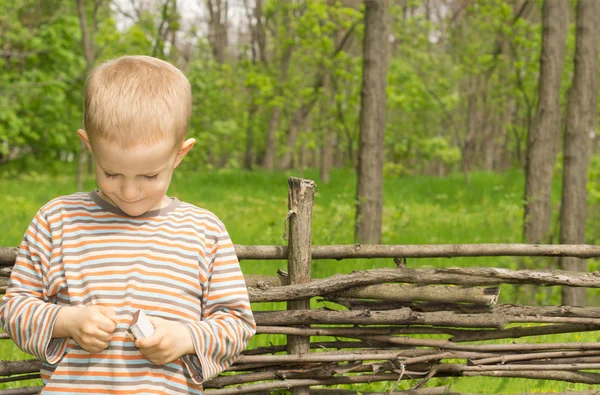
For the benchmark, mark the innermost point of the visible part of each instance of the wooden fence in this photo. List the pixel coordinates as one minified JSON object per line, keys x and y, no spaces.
{"x":369,"y":335}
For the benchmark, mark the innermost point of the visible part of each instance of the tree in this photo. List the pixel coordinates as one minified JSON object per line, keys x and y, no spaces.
{"x":257,"y":50}
{"x":544,"y":133}
{"x":89,"y":52}
{"x":581,"y":121}
{"x":369,"y":193}
{"x":218,"y":11}
{"x":283,"y":54}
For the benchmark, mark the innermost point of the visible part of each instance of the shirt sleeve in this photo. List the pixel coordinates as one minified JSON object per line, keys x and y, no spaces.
{"x":227,"y":322}
{"x":27,"y":313}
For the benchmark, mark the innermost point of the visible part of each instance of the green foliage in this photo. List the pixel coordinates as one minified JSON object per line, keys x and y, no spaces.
{"x":437,"y":67}
{"x":41,"y":74}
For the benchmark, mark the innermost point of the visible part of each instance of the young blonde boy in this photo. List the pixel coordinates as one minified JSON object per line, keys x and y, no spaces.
{"x":89,"y":261}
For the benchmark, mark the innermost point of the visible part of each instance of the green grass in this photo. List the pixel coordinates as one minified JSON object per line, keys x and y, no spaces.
{"x":417,"y":210}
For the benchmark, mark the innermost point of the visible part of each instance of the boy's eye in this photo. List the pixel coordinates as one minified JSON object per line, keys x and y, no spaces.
{"x":151,"y":177}
{"x":110,"y":176}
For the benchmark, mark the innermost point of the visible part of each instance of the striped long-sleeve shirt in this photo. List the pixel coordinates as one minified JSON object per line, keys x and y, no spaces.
{"x":176,"y":263}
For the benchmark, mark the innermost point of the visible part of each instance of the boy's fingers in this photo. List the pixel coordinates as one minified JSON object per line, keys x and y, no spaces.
{"x":108,"y":312}
{"x":105,"y":337}
{"x":155,"y":321}
{"x":105,"y":324}
{"x":148,"y":342}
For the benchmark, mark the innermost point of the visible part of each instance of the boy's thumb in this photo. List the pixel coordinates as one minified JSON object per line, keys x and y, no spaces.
{"x":108,"y":312}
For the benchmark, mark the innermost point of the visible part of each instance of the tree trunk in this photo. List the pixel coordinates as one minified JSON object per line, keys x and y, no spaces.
{"x":369,"y":194}
{"x":271,"y":146}
{"x":544,"y":132}
{"x":87,"y":40}
{"x":261,"y":37}
{"x":217,"y":28}
{"x":295,"y":128}
{"x":581,"y":120}
{"x":255,"y":40}
{"x":471,"y":124}
{"x":249,"y":154}
{"x":327,"y":155}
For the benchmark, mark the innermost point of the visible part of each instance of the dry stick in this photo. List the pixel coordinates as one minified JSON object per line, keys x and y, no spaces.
{"x":429,"y":293}
{"x":468,"y":308}
{"x":535,"y":367}
{"x":408,"y":353}
{"x":317,"y":371}
{"x":8,"y":255}
{"x":19,"y":378}
{"x":422,"y":251}
{"x":428,"y":391}
{"x":305,"y":382}
{"x":573,"y":360}
{"x":366,"y":317}
{"x":314,"y":371}
{"x":361,"y":304}
{"x":300,"y":204}
{"x":360,"y":355}
{"x":447,"y":345}
{"x":421,"y":391}
{"x":326,"y":371}
{"x":283,"y":358}
{"x":517,"y":332}
{"x":314,"y":345}
{"x":570,"y":360}
{"x":263,"y":282}
{"x":320,"y":370}
{"x":22,"y":391}
{"x":557,"y":375}
{"x":354,"y":331}
{"x":353,"y":251}
{"x":556,"y":311}
{"x":460,"y":276}
{"x":319,"y":357}
{"x":441,"y":370}
{"x":458,"y":335}
{"x":3,"y":284}
{"x":538,"y":355}
{"x":406,"y":316}
{"x":9,"y":368}
{"x":331,"y":357}
{"x":249,"y":367}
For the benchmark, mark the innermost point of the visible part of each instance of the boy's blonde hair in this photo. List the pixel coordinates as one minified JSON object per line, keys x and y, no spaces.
{"x":135,"y":100}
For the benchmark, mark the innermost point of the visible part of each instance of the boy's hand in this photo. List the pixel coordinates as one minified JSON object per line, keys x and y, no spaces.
{"x":170,"y":341}
{"x":92,"y":327}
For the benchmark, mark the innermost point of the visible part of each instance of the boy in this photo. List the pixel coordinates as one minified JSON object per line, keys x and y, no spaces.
{"x":89,"y":261}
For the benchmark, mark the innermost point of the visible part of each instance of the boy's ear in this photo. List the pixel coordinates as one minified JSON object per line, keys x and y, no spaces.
{"x":186,"y":146}
{"x":85,"y":138}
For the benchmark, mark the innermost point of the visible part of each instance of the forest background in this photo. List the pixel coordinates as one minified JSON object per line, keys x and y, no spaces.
{"x":277,"y":91}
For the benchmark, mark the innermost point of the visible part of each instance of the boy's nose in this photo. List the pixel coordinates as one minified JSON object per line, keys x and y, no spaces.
{"x":129,"y":191}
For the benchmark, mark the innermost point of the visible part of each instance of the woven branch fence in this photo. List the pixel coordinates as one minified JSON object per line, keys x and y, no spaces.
{"x":370,"y":331}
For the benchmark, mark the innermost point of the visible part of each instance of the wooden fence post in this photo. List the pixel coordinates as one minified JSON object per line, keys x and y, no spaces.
{"x":300,"y":205}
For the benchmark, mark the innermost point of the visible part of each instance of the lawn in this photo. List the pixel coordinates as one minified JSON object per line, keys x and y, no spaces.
{"x":417,"y":210}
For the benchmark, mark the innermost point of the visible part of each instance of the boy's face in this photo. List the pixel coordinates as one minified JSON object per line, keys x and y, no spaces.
{"x":135,"y":179}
